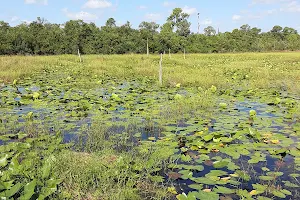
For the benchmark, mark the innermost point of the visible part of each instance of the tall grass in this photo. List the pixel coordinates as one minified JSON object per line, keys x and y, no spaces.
{"x":100,"y":171}
{"x":255,"y":70}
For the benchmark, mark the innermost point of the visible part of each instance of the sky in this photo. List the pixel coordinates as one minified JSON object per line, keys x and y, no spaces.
{"x":224,"y":15}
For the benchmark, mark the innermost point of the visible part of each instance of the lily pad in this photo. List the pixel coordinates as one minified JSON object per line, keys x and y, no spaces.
{"x":223,"y":190}
{"x":220,"y":164}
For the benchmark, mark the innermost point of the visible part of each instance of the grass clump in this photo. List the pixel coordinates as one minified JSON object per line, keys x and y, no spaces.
{"x":105,"y":171}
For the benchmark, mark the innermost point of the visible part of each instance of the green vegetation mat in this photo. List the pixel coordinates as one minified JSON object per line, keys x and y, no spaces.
{"x":220,"y":127}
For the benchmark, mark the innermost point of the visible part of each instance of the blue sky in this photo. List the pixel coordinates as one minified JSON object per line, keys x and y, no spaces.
{"x":225,"y":15}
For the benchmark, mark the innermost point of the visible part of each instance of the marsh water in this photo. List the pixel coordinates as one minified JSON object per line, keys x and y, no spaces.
{"x":270,"y":138}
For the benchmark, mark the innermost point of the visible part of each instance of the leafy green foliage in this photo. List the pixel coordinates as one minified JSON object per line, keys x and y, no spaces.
{"x":207,"y":195}
{"x":252,"y":113}
{"x":29,"y":190}
{"x":279,"y":194}
{"x":223,"y":105}
{"x":223,"y":190}
{"x":112,"y":39}
{"x":220,"y":164}
{"x":19,"y":178}
{"x":146,"y":138}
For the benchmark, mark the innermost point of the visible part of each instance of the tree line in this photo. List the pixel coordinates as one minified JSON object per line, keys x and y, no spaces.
{"x":43,"y":38}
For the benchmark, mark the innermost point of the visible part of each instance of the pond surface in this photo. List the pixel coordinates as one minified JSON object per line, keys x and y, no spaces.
{"x":242,"y":145}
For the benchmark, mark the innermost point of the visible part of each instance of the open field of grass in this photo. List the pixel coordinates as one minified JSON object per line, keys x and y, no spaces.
{"x":255,"y":70}
{"x":222,"y":126}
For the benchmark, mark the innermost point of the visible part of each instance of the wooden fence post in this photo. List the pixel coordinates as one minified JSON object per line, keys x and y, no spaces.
{"x":147,"y":47}
{"x":160,"y":69}
{"x":79,"y":56}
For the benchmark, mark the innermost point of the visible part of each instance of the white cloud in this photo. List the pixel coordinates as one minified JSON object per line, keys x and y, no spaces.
{"x":153,"y":16}
{"x":97,"y":4}
{"x":189,"y":10}
{"x":80,"y":15}
{"x":43,"y":2}
{"x":14,"y":19}
{"x":142,"y":7}
{"x":270,"y":12}
{"x":248,"y":15}
{"x":293,"y":6}
{"x":254,"y":2}
{"x":168,"y":4}
{"x":262,"y":1}
{"x":119,"y":23}
{"x":236,"y":17}
{"x":207,"y":22}
{"x":285,"y":5}
{"x":255,"y":16}
{"x":26,"y":21}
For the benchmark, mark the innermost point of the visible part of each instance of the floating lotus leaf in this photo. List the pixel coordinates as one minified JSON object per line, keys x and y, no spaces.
{"x":277,"y":101}
{"x":266,"y":178}
{"x":232,"y":166}
{"x":220,"y":164}
{"x":193,"y":167}
{"x":196,"y":186}
{"x":265,"y":169}
{"x":223,"y":190}
{"x":207,"y":195}
{"x":223,"y":105}
{"x":243,"y":175}
{"x":208,"y":137}
{"x":216,"y":173}
{"x":36,"y":95}
{"x":263,"y":198}
{"x":278,"y":194}
{"x":213,"y":89}
{"x":243,"y":194}
{"x":204,"y":180}
{"x":294,"y":175}
{"x":259,"y":189}
{"x":290,"y":184}
{"x":186,"y":158}
{"x":234,"y":182}
{"x":186,"y":174}
{"x":252,"y":113}
{"x":3,"y":160}
{"x":178,"y":97}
